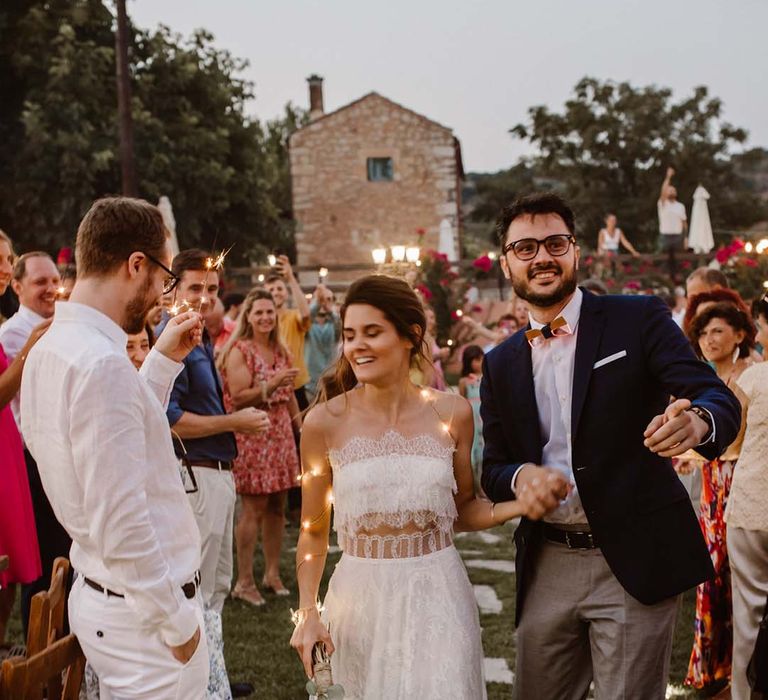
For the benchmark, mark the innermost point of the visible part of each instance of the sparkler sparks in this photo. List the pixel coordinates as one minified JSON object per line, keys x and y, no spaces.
{"x":215,"y":264}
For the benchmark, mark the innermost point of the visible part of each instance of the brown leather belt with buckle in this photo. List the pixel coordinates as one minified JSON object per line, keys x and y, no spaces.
{"x":189,"y":588}
{"x":211,"y":464}
{"x":573,"y":539}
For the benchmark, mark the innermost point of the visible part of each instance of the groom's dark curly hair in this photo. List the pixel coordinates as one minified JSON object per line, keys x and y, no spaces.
{"x":533,"y":205}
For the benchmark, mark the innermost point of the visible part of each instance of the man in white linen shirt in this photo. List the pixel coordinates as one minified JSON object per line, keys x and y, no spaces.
{"x":98,"y":431}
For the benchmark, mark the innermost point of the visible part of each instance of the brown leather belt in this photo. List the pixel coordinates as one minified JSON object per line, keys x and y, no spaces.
{"x":573,"y":539}
{"x":189,"y":588}
{"x":211,"y":464}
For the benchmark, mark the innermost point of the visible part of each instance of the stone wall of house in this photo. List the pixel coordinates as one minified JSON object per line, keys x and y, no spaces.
{"x":340,"y":215}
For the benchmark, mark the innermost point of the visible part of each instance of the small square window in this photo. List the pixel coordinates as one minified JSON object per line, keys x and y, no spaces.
{"x":380,"y":170}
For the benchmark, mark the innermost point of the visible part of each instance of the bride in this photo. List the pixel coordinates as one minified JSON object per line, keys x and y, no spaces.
{"x":393,"y":461}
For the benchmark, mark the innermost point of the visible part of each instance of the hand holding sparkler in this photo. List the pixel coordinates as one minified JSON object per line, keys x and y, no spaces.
{"x":181,"y":335}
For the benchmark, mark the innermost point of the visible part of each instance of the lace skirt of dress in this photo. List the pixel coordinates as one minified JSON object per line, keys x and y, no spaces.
{"x":405,"y":629}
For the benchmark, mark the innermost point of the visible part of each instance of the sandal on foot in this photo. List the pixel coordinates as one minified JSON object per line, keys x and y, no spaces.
{"x":248,"y":594}
{"x":278,"y":588}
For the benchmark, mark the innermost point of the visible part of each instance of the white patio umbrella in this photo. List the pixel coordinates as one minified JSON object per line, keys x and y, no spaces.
{"x":700,"y":234}
{"x":164,"y":205}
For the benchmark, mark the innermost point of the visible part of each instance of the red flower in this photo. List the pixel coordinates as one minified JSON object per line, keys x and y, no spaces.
{"x":722,"y":255}
{"x":421,"y":232}
{"x":424,"y":291}
{"x":632,"y":284}
{"x":686,"y":264}
{"x":455,"y":316}
{"x":483,"y":263}
{"x":750,"y":262}
{"x":589,"y":260}
{"x":610,"y":282}
{"x":736,"y":245}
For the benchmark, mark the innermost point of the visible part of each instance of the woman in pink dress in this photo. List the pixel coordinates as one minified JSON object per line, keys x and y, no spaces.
{"x":257,"y":371}
{"x":18,"y":537}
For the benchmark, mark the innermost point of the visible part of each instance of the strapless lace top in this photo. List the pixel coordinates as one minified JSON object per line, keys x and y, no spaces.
{"x":393,"y":495}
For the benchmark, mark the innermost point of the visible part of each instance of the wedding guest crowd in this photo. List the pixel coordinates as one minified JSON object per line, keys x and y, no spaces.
{"x":232,"y":378}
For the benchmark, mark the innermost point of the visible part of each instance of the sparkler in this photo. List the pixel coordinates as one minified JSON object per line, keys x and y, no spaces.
{"x":215,"y":264}
{"x":179,"y":307}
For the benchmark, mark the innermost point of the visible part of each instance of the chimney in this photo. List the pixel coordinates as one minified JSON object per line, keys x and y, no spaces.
{"x":315,"y":97}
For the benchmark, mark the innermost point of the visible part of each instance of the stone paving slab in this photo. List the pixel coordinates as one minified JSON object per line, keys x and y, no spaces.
{"x":487,"y":600}
{"x":508,"y":567}
{"x":497,"y":671}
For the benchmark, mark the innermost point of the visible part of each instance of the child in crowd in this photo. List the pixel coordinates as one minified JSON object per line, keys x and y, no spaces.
{"x":469,"y":388}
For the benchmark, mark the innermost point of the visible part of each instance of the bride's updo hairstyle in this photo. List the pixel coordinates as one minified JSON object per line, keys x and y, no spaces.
{"x":401,"y":307}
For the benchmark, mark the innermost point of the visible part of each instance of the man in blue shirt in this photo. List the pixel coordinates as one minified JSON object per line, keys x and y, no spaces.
{"x":204,"y":440}
{"x":322,"y":345}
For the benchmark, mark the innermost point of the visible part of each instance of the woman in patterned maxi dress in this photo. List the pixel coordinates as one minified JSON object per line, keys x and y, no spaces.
{"x":257,"y":371}
{"x":724,"y":336}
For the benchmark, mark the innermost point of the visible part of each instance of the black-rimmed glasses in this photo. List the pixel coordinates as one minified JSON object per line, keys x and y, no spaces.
{"x":170,"y":282}
{"x":528,"y":248}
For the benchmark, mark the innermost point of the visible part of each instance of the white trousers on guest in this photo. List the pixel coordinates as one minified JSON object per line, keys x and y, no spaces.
{"x":214,"y":507}
{"x":130,"y":659}
{"x":748,"y":555}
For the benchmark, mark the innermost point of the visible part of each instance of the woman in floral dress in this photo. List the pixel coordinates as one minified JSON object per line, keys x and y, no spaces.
{"x":257,"y":371}
{"x":724,"y":336}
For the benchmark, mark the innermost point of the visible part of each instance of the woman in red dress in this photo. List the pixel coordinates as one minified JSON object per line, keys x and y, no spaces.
{"x":257,"y":371}
{"x":18,"y":536}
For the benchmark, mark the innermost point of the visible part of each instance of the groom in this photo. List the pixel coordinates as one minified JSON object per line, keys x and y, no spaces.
{"x":582,"y":398}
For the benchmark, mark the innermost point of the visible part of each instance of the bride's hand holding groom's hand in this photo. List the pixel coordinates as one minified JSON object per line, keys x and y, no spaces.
{"x":539,"y":489}
{"x":309,"y":631}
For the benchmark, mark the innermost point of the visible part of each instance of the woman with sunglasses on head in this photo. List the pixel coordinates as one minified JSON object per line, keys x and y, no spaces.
{"x":394,"y":460}
{"x":258,"y":371}
{"x":723,"y":335}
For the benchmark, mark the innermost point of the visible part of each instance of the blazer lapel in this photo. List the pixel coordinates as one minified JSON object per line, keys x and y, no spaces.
{"x":525,"y":416}
{"x":591,"y":325}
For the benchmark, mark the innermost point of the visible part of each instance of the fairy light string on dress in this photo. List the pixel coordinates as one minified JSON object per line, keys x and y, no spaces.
{"x":315,"y":473}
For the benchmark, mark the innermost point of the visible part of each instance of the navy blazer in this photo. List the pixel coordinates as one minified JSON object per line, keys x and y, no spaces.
{"x":636,"y":506}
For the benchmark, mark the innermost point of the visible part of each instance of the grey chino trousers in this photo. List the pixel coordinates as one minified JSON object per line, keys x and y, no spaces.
{"x":579,"y":625}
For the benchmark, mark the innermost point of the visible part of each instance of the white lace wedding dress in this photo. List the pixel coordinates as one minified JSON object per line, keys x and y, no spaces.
{"x":401,"y":609}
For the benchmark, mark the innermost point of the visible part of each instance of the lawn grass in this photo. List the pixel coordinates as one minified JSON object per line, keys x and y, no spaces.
{"x":257,"y":639}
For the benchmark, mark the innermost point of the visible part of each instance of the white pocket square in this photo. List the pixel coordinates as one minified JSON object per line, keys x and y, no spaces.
{"x":610,"y":358}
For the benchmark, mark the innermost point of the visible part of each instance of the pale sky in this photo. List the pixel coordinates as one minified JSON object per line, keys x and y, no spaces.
{"x":477,"y":65}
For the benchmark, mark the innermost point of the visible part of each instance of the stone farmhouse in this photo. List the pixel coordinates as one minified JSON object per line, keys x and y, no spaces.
{"x":372,"y":174}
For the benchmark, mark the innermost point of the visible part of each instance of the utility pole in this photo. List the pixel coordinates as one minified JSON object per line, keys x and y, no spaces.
{"x":125,"y":121}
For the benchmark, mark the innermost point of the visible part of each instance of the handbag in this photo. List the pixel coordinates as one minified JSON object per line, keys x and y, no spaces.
{"x":757,"y":670}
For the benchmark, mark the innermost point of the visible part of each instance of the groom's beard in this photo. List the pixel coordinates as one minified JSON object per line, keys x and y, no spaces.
{"x":564,"y":289}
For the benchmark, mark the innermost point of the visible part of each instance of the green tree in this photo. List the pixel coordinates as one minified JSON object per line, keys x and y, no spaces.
{"x":610,"y":145}
{"x":225,"y":174}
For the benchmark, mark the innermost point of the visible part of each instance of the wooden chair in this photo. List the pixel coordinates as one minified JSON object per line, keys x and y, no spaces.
{"x":55,"y":673}
{"x":46,"y":610}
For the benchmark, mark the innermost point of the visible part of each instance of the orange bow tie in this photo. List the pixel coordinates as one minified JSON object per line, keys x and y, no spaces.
{"x":553,"y":329}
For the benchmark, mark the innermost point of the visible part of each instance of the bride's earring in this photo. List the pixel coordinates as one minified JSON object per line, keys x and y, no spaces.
{"x":735,"y":355}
